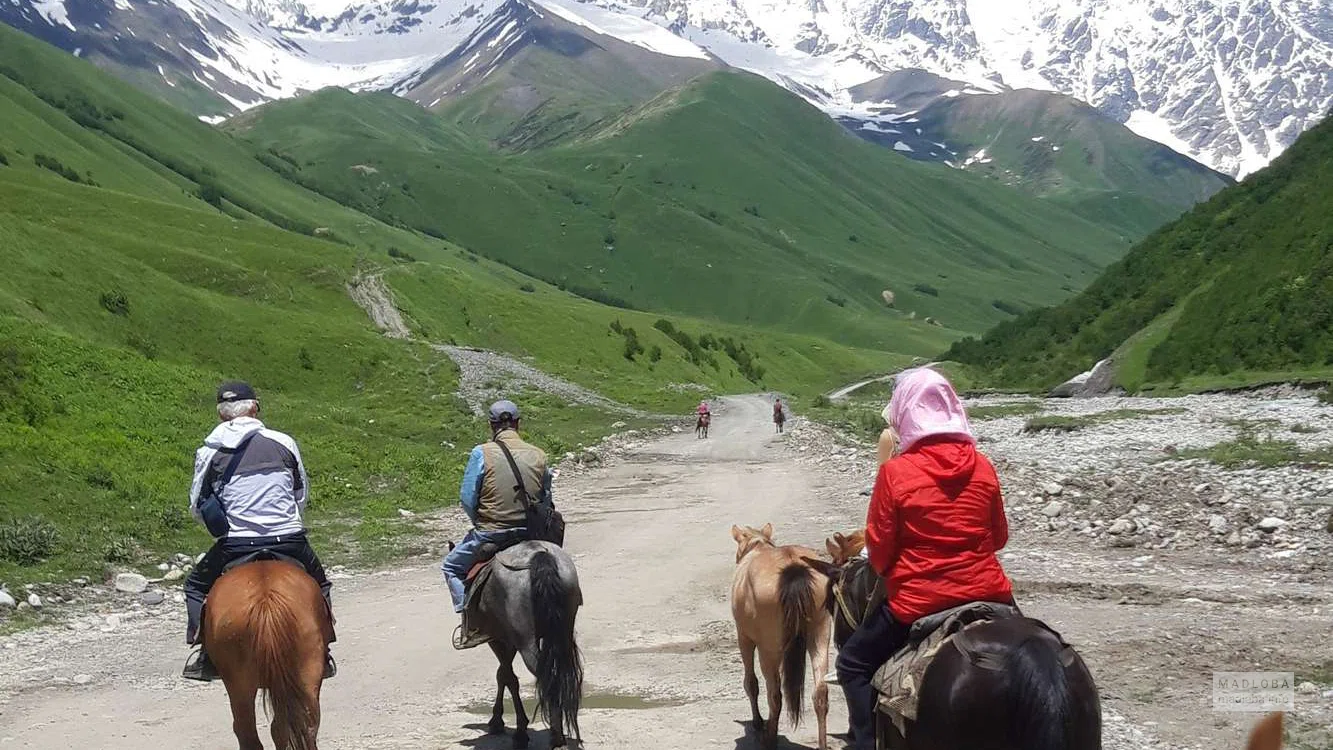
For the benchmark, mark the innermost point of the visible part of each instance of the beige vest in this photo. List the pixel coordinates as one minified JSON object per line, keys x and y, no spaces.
{"x":499,"y":506}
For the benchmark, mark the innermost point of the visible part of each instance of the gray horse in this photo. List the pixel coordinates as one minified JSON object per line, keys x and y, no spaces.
{"x":528,"y":607}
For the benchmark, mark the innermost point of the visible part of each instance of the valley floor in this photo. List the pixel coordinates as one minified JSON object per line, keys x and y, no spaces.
{"x":649,"y":532}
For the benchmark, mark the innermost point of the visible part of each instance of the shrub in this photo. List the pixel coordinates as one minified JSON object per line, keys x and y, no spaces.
{"x":210,"y":193}
{"x":927,"y":289}
{"x":821,"y":402}
{"x":839,"y":301}
{"x":121,"y":550}
{"x":853,"y":238}
{"x":752,"y":210}
{"x":397,"y":254}
{"x":4,"y":160}
{"x":303,"y":358}
{"x":655,"y":353}
{"x":53,"y":164}
{"x":527,"y":287}
{"x":1008,"y":308}
{"x":27,"y":541}
{"x":115,"y":302}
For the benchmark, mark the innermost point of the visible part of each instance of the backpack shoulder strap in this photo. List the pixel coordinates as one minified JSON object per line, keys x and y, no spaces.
{"x":523,"y":495}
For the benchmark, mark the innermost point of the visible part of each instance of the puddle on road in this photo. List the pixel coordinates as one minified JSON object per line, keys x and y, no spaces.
{"x":613,"y":701}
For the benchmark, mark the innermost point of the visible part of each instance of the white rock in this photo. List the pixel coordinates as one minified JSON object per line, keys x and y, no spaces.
{"x":34,"y":601}
{"x":1199,"y":489}
{"x":82,"y":679}
{"x":7,"y":601}
{"x":1053,"y":509}
{"x":164,"y":567}
{"x":1121,"y":526}
{"x":131,"y":583}
{"x":1307,"y":688}
{"x":1271,"y":524}
{"x":152,"y":598}
{"x":1052,"y":488}
{"x":405,"y":513}
{"x":618,"y":425}
{"x":1218,"y":524}
{"x":112,"y":622}
{"x":173,"y":575}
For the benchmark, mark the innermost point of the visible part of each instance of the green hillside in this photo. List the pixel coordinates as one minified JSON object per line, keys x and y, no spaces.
{"x":728,"y":198}
{"x":1236,"y":291}
{"x":1057,"y":147}
{"x":146,"y":260}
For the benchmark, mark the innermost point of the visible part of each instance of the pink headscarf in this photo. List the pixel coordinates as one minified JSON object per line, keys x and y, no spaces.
{"x":924,"y":404}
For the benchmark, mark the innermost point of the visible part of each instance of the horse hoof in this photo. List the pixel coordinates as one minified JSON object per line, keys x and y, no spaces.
{"x":520,"y":741}
{"x":496,"y":727}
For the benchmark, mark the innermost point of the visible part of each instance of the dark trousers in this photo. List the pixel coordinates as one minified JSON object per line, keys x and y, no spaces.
{"x":223,"y":552}
{"x":869,"y":648}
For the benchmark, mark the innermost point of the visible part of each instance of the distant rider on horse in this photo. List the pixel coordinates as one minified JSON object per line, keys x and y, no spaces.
{"x":255,"y":476}
{"x":935,"y":524}
{"x":779,"y":416}
{"x":490,"y":496}
{"x":704,"y":410}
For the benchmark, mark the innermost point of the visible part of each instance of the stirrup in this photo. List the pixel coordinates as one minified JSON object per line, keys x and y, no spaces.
{"x":470,"y":639}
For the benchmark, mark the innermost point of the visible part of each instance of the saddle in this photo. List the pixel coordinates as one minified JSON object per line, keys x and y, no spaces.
{"x":478,"y":576}
{"x":898,"y":682}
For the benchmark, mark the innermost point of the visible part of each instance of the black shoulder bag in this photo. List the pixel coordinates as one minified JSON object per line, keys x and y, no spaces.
{"x":544,"y":522}
{"x":210,"y":503}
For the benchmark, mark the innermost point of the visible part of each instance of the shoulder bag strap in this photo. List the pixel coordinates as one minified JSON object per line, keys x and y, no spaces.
{"x":234,"y":462}
{"x":523,"y":495}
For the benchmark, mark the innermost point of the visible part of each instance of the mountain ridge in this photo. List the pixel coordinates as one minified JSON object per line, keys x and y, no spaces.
{"x":1228,"y":83}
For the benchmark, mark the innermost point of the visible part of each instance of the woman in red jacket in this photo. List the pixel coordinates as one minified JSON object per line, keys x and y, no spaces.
{"x":936,"y":521}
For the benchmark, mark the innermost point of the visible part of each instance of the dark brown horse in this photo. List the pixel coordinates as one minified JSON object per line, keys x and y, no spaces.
{"x":1018,"y":687}
{"x":701,"y":426}
{"x":266,"y":627}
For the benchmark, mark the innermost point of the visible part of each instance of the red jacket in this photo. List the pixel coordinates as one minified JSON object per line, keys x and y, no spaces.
{"x":936,"y":521}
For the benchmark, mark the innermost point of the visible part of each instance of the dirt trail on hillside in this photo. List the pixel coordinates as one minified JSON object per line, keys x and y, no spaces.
{"x":649,"y":534}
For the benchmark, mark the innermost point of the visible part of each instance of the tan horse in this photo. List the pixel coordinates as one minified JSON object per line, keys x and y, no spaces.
{"x":1267,"y":734}
{"x":265,"y":627}
{"x":778,"y":600}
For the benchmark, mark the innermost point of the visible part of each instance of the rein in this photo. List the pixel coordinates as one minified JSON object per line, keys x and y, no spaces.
{"x":840,"y":596}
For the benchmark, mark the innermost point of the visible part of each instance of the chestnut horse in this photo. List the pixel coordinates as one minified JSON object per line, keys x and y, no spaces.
{"x":266,"y":628}
{"x":701,"y":425}
{"x":779,"y":602}
{"x":1267,"y":734}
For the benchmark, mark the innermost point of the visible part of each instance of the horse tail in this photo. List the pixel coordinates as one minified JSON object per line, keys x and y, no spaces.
{"x":559,"y":663}
{"x":797,"y":596}
{"x":1043,"y":704}
{"x":277,"y":650}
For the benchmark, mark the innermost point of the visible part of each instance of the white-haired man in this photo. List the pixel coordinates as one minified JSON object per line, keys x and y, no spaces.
{"x":254,"y":476}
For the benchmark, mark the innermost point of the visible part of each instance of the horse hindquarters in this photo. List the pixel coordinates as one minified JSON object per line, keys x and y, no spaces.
{"x":1038,"y":696}
{"x":559,"y":670}
{"x":290,"y":660}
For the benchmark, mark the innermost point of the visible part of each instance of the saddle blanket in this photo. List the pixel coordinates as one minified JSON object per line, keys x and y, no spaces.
{"x":898,"y":682}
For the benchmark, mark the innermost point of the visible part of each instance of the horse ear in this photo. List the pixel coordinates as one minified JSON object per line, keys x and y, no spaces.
{"x":834,"y":550}
{"x":767,"y":531}
{"x":736,"y":533}
{"x":1267,"y":734}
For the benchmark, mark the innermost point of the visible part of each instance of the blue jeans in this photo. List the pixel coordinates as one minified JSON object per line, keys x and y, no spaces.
{"x":461,"y":559}
{"x":875,"y":642}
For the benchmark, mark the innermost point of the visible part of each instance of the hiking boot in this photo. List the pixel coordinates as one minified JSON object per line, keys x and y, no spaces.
{"x":330,"y":666}
{"x":200,"y":668}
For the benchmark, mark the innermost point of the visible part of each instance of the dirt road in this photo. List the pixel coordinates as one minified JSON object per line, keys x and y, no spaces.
{"x":650,"y":537}
{"x":649,"y":533}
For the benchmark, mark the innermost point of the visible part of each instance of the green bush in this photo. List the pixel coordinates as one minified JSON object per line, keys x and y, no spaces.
{"x":54,"y":165}
{"x":115,"y":302}
{"x":27,"y":541}
{"x":926,"y":289}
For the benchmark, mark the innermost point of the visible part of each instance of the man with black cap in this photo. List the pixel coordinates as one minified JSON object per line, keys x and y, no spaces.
{"x":490,"y":495}
{"x":254,"y":478}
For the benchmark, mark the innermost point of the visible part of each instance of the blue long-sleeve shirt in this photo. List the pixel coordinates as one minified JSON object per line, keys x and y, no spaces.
{"x":469,"y":494}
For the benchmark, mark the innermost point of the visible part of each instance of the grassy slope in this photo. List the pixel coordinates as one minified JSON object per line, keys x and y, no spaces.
{"x":103,"y":402}
{"x":729,"y":199}
{"x":1237,"y":290}
{"x":1102,"y":170}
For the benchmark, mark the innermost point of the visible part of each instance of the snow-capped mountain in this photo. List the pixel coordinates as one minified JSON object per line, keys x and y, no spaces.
{"x":1229,"y":82}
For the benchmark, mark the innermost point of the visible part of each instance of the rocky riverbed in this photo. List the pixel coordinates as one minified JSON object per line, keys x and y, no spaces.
{"x":1160,"y":564}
